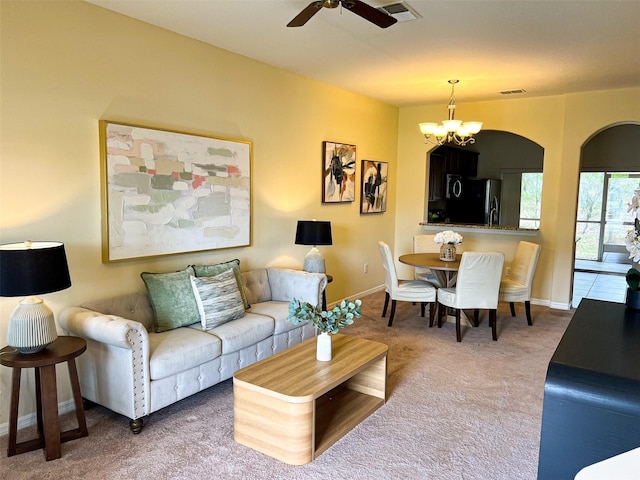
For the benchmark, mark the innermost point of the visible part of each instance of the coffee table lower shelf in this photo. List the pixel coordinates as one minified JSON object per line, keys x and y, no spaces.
{"x":339,"y":411}
{"x":334,"y":397}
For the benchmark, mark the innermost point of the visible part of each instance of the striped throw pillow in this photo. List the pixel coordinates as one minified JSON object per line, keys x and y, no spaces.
{"x":218,"y":298}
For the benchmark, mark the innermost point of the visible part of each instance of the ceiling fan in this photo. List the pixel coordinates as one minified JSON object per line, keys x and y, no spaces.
{"x":367,"y":12}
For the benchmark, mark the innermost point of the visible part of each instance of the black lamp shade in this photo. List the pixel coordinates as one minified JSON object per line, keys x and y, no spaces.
{"x":311,"y":232}
{"x":33,"y":268}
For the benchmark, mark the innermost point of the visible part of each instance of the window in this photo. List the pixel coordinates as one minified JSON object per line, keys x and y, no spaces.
{"x":530,"y":200}
{"x":603,"y":218}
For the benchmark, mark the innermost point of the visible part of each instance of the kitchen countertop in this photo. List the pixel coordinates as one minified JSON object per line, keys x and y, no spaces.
{"x":465,"y":227}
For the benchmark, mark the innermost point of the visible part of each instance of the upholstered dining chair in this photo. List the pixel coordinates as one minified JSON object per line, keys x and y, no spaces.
{"x":476,"y":288}
{"x":516,"y":287}
{"x":404,"y":290}
{"x":425,"y":244}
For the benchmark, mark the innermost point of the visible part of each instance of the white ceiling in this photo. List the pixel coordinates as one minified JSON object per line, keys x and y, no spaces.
{"x":546,"y":47}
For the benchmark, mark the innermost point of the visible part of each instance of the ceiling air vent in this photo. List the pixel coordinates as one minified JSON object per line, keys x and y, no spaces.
{"x":511,"y":92}
{"x":400,"y":11}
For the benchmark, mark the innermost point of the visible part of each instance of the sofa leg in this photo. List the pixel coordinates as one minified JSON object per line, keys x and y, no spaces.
{"x":136,"y":425}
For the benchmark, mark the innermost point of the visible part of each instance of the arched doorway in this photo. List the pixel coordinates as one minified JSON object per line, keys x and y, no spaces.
{"x":609,"y":173}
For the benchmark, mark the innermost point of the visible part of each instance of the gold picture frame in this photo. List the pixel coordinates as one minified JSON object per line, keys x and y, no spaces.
{"x":167,"y":192}
{"x":338,"y":172}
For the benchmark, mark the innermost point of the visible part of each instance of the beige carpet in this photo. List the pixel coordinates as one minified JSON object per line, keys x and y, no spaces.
{"x":467,"y":410}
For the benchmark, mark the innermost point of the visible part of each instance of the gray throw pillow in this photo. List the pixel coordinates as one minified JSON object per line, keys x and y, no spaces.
{"x":218,"y":298}
{"x":213,"y":270}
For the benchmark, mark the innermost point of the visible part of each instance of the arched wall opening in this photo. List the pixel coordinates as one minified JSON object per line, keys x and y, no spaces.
{"x":609,"y":173}
{"x":516,"y":162}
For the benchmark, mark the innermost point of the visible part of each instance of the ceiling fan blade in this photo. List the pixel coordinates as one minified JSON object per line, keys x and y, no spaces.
{"x":370,"y":13}
{"x":304,"y":16}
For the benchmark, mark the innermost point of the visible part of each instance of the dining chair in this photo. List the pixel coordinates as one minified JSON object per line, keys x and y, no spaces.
{"x":425,"y":244}
{"x":516,"y":287}
{"x":404,"y":290}
{"x":476,"y":288}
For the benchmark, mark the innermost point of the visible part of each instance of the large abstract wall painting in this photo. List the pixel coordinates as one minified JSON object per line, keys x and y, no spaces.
{"x":166,"y":192}
{"x":375,"y":178}
{"x":339,"y":172}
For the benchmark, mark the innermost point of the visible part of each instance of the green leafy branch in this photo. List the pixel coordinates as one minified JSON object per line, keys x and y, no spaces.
{"x":330,"y":321}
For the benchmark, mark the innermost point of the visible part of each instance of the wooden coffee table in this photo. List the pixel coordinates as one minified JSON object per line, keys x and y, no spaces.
{"x":293,"y":407}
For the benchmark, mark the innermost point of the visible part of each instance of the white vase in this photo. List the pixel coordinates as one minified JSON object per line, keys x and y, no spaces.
{"x":323,"y":348}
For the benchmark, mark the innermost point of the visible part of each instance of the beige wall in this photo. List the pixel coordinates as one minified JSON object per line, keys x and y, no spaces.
{"x":561,"y":125}
{"x":65,"y":65}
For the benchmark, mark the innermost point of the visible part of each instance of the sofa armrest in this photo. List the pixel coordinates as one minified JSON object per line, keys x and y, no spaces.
{"x":114,"y":370}
{"x":287,"y":284}
{"x":109,"y":329}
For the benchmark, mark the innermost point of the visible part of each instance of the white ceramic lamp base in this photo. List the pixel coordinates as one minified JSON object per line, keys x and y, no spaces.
{"x":314,"y":262}
{"x":31,"y":326}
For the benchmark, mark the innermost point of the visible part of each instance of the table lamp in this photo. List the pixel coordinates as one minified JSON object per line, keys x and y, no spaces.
{"x":27,"y":269}
{"x":312,"y":232}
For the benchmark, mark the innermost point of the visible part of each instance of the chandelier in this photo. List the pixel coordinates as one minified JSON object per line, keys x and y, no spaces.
{"x":451,"y":130}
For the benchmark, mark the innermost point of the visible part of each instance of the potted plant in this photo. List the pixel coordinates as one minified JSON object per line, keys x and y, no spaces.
{"x":448,"y":239}
{"x":326,"y":321}
{"x":633,"y":293}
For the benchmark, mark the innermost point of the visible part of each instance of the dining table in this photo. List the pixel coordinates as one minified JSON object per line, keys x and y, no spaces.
{"x":445,"y":271}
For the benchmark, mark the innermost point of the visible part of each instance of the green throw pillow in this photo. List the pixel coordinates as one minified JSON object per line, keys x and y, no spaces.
{"x":172,"y":299}
{"x":213,"y":270}
{"x":218,"y":299}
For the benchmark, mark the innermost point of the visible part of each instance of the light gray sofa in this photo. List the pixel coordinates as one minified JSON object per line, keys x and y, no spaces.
{"x":134,"y":371}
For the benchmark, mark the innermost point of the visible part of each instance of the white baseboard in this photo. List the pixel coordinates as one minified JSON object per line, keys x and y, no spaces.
{"x":359,"y":295}
{"x":30,"y":419}
{"x":559,"y":306}
{"x":554,"y":305}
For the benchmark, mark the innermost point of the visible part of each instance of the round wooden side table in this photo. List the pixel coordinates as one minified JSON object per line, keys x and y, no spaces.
{"x":63,"y":349}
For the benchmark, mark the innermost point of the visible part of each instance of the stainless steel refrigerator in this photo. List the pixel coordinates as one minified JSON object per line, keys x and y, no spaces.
{"x":483,"y":200}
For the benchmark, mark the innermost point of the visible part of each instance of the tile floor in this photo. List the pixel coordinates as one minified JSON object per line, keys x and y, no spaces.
{"x":598,"y":286}
{"x":600,"y":280}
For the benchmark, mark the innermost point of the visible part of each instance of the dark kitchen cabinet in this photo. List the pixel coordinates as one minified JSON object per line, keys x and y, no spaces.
{"x":460,"y":162}
{"x":449,"y":161}
{"x":437,"y":177}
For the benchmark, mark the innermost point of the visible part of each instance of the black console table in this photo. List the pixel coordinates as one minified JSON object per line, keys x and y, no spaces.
{"x":591,"y":407}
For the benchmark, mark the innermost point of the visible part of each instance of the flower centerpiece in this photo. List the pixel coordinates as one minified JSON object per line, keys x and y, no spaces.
{"x":632,"y":244}
{"x":448,"y":240}
{"x":326,"y":321}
